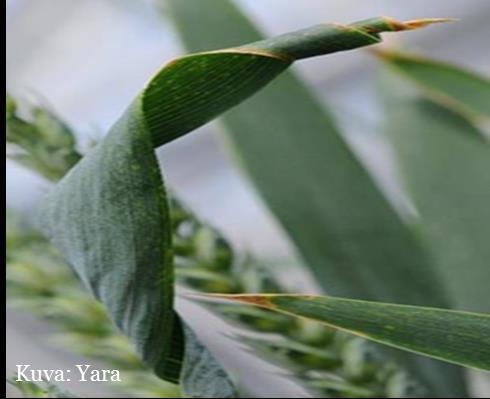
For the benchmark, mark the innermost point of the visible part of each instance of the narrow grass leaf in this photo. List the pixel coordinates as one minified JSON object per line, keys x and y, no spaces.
{"x":453,"y":336}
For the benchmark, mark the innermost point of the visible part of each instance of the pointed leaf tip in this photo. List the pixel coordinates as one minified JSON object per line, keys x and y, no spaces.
{"x":375,"y":26}
{"x":453,"y":336}
{"x":420,"y":23}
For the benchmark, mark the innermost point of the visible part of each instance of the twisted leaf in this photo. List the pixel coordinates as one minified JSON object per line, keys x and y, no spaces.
{"x":450,"y":335}
{"x":109,"y":215}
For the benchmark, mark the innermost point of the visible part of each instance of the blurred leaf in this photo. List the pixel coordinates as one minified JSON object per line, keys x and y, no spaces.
{"x":298,"y":357}
{"x":450,"y":335}
{"x":446,"y":166}
{"x":351,"y":238}
{"x":460,"y":90}
{"x":42,"y":142}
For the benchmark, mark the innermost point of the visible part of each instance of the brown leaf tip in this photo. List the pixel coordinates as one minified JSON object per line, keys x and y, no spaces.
{"x":415,"y":23}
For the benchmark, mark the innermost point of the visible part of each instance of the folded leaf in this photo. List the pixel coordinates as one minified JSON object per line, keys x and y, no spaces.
{"x":449,"y":335}
{"x":446,"y":167}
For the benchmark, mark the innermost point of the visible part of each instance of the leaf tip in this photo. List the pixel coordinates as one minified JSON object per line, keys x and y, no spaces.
{"x":416,"y":23}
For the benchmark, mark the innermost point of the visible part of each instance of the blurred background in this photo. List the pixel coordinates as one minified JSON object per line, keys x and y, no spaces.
{"x":87,"y":59}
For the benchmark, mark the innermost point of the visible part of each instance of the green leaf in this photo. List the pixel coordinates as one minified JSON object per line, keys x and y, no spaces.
{"x":109,"y":215}
{"x":351,"y":238}
{"x":446,"y":168}
{"x":202,"y":376}
{"x":455,"y":88}
{"x":453,"y":336}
